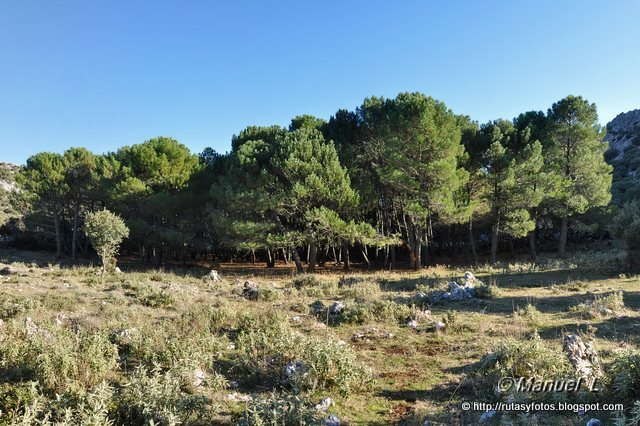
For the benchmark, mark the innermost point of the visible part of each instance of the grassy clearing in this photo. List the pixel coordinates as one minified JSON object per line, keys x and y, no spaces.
{"x":170,"y":347}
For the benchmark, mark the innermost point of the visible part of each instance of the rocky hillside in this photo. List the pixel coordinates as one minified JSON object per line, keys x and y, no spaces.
{"x":7,"y":176}
{"x":623,"y":135}
{"x":622,"y":131}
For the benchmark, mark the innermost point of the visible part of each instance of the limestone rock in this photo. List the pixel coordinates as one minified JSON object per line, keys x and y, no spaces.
{"x":336,"y":308}
{"x":622,"y":130}
{"x":213,"y":276}
{"x":324,"y":405}
{"x":582,"y":356}
{"x":250,"y":290}
{"x":332,"y":420}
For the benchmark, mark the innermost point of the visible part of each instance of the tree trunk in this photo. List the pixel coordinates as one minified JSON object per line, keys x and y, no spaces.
{"x":418,"y":256}
{"x":472,"y":243}
{"x":393,"y":257}
{"x":366,"y":258}
{"x":56,"y":220}
{"x":74,"y":237}
{"x":313,"y":252}
{"x":494,"y":242}
{"x":296,"y":260}
{"x":564,"y":229}
{"x":345,"y":255}
{"x":532,"y":245}
{"x":271,"y":258}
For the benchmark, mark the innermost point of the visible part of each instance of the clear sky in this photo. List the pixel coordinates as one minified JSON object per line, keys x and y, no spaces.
{"x":108,"y":73}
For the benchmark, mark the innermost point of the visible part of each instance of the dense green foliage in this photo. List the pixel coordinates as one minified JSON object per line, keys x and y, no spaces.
{"x":106,"y":232}
{"x":396,"y":179}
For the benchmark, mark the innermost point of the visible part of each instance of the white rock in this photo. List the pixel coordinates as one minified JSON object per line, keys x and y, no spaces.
{"x":324,"y":405}
{"x":198,"y":377}
{"x":440,"y":326}
{"x":31,"y":327}
{"x":412,"y":324}
{"x":332,"y":420}
{"x":213,"y":276}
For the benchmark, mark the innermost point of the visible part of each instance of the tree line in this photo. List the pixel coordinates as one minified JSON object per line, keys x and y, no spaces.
{"x":393,"y":180}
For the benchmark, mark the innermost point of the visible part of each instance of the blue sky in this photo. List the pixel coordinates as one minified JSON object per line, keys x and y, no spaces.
{"x":104,"y":74}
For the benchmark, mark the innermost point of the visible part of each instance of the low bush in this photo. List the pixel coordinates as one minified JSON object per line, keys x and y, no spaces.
{"x":278,"y":355}
{"x":601,"y":306}
{"x":527,"y":358}
{"x":285,"y":410}
{"x":56,"y":357}
{"x":157,"y":397}
{"x":624,"y":375}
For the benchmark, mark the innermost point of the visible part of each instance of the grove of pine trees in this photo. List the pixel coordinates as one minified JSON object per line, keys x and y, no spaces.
{"x":397,"y":181}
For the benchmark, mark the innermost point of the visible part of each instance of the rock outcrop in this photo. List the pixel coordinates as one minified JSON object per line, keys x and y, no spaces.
{"x":622,"y":131}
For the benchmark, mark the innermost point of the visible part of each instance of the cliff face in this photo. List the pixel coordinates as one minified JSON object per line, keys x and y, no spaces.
{"x":622,"y":131}
{"x":623,"y":135}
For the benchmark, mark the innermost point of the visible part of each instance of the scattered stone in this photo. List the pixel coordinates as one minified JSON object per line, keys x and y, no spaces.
{"x":336,"y":308}
{"x":117,"y":270}
{"x":293,"y":369}
{"x":582,"y":356}
{"x":341,"y":343}
{"x":605,"y":311}
{"x":213,"y":276}
{"x":332,"y":420}
{"x":250,"y":290}
{"x":199,"y":377}
{"x":296,"y":320}
{"x":468,"y":276}
{"x":440,"y":326}
{"x":238,"y":397}
{"x":318,"y":308}
{"x":595,"y":422}
{"x":458,"y":292}
{"x":423,"y":315}
{"x":412,"y":324}
{"x":127,"y":332}
{"x":371,"y":334}
{"x":231,"y":347}
{"x":324,"y":405}
{"x":60,"y":319}
{"x":31,"y":327}
{"x":487,"y":416}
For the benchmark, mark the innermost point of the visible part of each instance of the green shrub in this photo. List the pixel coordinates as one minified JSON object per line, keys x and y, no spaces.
{"x":486,"y":291}
{"x":285,"y":410}
{"x":529,"y":314}
{"x":601,"y":306}
{"x":153,"y":297}
{"x":305,"y":280}
{"x":157,"y":397}
{"x":106,"y":231}
{"x":74,"y":407}
{"x":624,"y":375}
{"x":377,"y":310}
{"x":204,"y":319}
{"x":527,"y":358}
{"x":268,"y":294}
{"x":264,"y":354}
{"x":626,"y":226}
{"x":57,"y":358}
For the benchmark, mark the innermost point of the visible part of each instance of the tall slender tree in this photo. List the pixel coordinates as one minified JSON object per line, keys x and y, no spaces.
{"x":577,"y":154}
